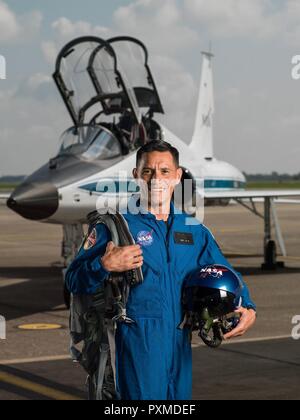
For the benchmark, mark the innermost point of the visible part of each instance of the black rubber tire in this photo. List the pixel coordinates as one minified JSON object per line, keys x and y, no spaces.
{"x":271,"y":253}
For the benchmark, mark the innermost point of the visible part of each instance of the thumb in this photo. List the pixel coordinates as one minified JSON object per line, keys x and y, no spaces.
{"x":110,"y":247}
{"x":240,"y":310}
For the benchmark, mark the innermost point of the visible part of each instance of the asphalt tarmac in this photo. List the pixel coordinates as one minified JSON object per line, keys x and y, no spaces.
{"x":265,"y":364}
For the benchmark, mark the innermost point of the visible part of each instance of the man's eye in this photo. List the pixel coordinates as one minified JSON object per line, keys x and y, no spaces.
{"x":147,"y":172}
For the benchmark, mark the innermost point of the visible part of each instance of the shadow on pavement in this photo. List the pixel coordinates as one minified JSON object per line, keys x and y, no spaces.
{"x":42,"y":291}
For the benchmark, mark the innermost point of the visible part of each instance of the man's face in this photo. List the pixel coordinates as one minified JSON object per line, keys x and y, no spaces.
{"x":158,"y":176}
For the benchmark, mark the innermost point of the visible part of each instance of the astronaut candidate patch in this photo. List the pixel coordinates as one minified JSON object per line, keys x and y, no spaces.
{"x":91,"y":240}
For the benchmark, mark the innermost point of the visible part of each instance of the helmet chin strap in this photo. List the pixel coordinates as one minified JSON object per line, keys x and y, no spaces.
{"x":212,"y":330}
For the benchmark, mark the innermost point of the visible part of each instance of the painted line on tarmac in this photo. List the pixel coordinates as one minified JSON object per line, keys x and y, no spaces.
{"x":248,"y":340}
{"x":233,"y":254}
{"x":8,"y":283}
{"x":34,"y":360}
{"x":259,"y":339}
{"x":241,"y":254}
{"x":45,"y":391}
{"x":194,"y":345}
{"x":290,"y":258}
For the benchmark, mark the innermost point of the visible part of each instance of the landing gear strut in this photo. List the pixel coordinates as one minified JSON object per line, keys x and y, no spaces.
{"x":270,"y":251}
{"x":270,"y":247}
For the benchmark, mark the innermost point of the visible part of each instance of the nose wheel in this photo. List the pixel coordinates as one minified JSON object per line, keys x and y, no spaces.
{"x":271,"y":262}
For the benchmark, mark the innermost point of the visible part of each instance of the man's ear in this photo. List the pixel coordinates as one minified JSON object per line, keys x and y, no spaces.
{"x":179,"y":174}
{"x":135,"y":173}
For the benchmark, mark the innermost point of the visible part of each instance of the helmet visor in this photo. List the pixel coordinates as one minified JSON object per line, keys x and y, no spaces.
{"x":217,"y":302}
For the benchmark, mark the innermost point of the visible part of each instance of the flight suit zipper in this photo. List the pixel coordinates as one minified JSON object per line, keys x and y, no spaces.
{"x":166,"y":236}
{"x":169,"y":229}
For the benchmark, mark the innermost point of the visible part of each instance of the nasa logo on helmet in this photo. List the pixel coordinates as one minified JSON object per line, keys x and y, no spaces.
{"x":214,"y":271}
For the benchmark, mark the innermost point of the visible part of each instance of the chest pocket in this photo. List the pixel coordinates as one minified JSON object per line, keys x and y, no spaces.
{"x":145,"y":300}
{"x":186,"y":256}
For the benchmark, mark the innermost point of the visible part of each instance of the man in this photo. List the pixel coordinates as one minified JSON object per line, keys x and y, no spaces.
{"x":154,"y":357}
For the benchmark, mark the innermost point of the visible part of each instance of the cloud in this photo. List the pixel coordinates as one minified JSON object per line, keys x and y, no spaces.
{"x":30,"y":24}
{"x":39,"y":86}
{"x":37,"y":80}
{"x":249,"y":82}
{"x":15,"y":28}
{"x":229,"y":18}
{"x":9,"y":27}
{"x":34,"y":120}
{"x":64,"y":30}
{"x":261,"y":20}
{"x":159,"y":24}
{"x":50,"y":51}
{"x":290,"y":23}
{"x":177,"y":90}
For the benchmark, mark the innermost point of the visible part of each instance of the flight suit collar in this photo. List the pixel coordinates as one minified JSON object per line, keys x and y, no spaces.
{"x":147,"y":215}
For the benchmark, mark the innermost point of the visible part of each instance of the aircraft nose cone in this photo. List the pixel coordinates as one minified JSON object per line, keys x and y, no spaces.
{"x":34,"y":201}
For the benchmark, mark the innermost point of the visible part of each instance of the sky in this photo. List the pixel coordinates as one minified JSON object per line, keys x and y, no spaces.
{"x":257,"y":112}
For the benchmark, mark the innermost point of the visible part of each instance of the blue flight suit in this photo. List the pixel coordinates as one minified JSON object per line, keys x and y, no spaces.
{"x":154,"y":357}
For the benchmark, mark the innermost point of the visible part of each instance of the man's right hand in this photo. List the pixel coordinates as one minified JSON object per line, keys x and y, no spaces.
{"x":119,"y":260}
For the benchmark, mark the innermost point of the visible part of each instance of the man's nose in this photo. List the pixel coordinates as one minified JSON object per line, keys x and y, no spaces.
{"x":156,"y":176}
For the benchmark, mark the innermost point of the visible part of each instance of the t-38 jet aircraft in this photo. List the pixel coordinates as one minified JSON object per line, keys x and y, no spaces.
{"x":111,"y":96}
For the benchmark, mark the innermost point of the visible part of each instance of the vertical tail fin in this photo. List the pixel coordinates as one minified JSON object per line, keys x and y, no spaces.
{"x":202,"y":141}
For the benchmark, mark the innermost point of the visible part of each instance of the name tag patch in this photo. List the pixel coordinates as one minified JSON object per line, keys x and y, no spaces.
{"x":184,"y":238}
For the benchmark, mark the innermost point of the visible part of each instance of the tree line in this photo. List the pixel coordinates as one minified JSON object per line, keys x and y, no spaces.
{"x":274,"y":176}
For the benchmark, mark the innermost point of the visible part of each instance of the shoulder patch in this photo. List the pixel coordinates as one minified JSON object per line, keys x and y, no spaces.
{"x":91,"y":240}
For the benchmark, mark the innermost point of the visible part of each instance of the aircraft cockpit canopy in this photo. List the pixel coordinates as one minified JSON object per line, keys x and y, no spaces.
{"x":91,"y":142}
{"x":87,"y":75}
{"x":133,"y":58}
{"x":99,"y":80}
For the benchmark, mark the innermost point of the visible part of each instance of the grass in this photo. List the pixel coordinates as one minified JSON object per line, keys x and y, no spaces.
{"x":8,"y":187}
{"x":276,"y":185}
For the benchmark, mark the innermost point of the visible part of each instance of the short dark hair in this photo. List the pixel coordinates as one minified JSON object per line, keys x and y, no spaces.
{"x":157,"y":146}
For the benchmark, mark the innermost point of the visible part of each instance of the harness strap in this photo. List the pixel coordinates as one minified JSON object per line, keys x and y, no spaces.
{"x":94,"y":319}
{"x":111,"y":334}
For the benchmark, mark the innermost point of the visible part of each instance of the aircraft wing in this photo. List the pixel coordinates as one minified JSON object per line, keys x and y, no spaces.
{"x":251,"y":194}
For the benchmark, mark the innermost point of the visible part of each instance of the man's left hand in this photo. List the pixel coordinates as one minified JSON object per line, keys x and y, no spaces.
{"x":248,"y":318}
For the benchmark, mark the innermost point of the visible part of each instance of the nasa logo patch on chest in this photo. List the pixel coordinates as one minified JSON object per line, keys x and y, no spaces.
{"x":145,"y":238}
